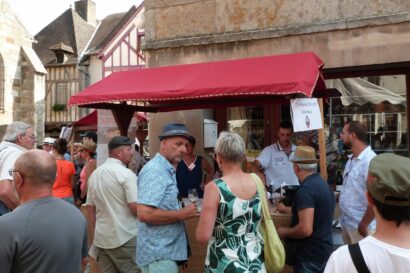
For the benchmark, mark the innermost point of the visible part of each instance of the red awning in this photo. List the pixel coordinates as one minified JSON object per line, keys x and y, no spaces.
{"x":92,"y":119}
{"x":203,"y":85}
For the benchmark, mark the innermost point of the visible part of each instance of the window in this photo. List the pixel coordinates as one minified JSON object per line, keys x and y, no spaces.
{"x":61,"y":94}
{"x":380,"y":103}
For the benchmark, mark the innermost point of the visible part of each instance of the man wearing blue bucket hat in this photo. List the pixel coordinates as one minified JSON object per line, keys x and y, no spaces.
{"x":162,"y":241}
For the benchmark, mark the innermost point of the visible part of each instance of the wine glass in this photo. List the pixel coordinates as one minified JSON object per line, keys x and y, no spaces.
{"x":192,"y":195}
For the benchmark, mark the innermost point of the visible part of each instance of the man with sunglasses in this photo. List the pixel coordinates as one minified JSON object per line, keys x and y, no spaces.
{"x":355,"y":215}
{"x":44,"y":233}
{"x":19,"y":137}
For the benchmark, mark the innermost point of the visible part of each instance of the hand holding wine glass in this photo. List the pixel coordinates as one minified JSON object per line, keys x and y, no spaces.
{"x":192,"y":195}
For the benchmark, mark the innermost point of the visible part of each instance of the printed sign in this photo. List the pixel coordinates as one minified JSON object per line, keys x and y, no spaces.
{"x":305,"y":115}
{"x":66,"y":133}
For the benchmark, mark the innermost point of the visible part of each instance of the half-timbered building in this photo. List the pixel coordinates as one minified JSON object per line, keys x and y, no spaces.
{"x":116,"y":44}
{"x":59,"y":46}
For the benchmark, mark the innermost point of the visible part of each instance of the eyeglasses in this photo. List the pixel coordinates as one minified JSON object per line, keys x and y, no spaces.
{"x":80,"y":151}
{"x":32,"y":136}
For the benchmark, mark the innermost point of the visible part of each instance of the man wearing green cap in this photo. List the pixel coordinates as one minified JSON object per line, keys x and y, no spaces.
{"x":388,"y":194}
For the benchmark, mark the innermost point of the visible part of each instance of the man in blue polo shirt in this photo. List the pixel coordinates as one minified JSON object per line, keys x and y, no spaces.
{"x":162,"y":240}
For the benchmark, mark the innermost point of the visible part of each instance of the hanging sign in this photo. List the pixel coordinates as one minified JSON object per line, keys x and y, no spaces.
{"x":305,"y":115}
{"x":66,"y":132}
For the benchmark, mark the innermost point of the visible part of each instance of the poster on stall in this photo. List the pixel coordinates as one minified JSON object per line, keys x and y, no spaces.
{"x":66,"y":132}
{"x":107,"y":128}
{"x":305,"y":115}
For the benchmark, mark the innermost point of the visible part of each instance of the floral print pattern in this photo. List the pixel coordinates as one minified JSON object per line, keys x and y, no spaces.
{"x":236,"y":245}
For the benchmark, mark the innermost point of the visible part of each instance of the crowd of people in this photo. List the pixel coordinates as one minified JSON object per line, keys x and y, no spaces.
{"x":137,"y":217}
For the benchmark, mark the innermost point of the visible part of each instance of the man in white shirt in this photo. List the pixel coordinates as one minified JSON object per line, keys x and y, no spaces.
{"x":388,"y":195}
{"x":19,"y":137}
{"x":274,"y":159}
{"x":355,"y":215}
{"x":112,"y":209}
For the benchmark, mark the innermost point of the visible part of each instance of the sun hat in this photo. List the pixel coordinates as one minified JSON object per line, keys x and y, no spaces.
{"x":389,"y":179}
{"x":304,"y":155}
{"x":174,"y":129}
{"x":119,"y":141}
{"x":49,"y":140}
{"x":88,"y":145}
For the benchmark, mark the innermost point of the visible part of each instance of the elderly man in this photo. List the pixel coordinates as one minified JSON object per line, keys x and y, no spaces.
{"x":274,"y":159}
{"x":43,"y":234}
{"x":388,"y":249}
{"x":112,"y":209}
{"x":356,"y":216}
{"x":19,"y":137}
{"x":162,"y":240}
{"x":312,"y":215}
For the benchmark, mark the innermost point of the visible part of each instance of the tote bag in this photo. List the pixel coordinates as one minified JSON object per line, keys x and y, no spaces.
{"x":273,"y":249}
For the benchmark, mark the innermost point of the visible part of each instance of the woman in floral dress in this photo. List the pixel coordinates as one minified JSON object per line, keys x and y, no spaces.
{"x":231,"y":214}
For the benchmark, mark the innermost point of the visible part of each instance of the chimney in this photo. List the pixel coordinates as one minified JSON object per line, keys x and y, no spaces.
{"x":86,"y":9}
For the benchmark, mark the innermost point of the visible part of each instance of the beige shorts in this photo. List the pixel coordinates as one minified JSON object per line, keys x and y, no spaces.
{"x":118,"y":260}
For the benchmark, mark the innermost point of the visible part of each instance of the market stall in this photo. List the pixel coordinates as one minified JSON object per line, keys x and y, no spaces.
{"x":252,"y":81}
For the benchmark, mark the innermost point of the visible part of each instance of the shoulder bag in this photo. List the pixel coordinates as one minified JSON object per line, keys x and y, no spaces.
{"x":358,"y":259}
{"x":273,"y":247}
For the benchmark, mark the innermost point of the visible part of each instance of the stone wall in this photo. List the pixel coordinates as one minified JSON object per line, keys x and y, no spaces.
{"x":343,"y":33}
{"x":171,"y":19}
{"x":340,"y":32}
{"x":20,"y":77}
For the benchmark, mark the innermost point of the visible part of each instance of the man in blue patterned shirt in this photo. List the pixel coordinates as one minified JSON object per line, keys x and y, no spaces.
{"x":162,"y":240}
{"x":355,"y":214}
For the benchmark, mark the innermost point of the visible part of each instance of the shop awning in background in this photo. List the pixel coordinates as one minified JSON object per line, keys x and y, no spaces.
{"x":359,"y":91}
{"x":92,"y":119}
{"x":206,"y":85}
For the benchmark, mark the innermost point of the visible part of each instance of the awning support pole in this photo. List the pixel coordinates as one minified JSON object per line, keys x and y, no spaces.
{"x":408,"y":112}
{"x":123,"y":119}
{"x":322,"y":143}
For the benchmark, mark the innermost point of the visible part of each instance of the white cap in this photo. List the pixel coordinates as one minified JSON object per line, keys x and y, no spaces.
{"x":49,"y":140}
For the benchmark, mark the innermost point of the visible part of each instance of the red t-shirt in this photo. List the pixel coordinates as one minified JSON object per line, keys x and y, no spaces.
{"x":62,"y":185}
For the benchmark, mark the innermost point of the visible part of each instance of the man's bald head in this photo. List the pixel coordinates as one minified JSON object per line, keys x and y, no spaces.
{"x":37,"y":167}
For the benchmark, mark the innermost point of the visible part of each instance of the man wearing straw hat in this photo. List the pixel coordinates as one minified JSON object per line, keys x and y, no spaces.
{"x":312,"y":215}
{"x":388,"y":195}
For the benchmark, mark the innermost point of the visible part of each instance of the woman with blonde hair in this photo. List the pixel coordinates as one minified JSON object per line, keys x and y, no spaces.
{"x":231,"y":213}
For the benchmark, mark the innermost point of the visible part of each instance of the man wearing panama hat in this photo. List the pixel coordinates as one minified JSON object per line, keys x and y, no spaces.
{"x":162,"y":240}
{"x":312,"y":215}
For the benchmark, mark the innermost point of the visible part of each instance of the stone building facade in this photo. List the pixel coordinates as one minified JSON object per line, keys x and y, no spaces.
{"x":353,"y":38}
{"x":22,"y":76}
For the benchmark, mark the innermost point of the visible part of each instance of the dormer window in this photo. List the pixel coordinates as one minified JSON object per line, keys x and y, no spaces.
{"x":62,"y":52}
{"x":60,"y":57}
